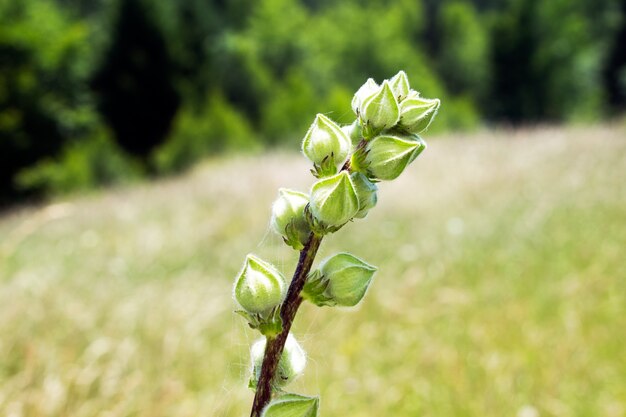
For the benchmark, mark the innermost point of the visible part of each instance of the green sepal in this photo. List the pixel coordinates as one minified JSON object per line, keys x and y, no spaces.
{"x":326,"y":169}
{"x":267,"y":323}
{"x":292,"y":236}
{"x":292,"y":405}
{"x":318,"y":227}
{"x":315,"y":288}
{"x":272,"y":325}
{"x":357,"y":161}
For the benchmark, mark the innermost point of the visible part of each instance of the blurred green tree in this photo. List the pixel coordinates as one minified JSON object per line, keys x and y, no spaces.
{"x":463,"y":52}
{"x":547,"y":59}
{"x":44,"y":100}
{"x":135,"y":84}
{"x":615,"y":71}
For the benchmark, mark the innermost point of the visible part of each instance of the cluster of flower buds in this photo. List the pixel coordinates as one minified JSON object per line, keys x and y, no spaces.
{"x":390,"y":117}
{"x":347,"y":163}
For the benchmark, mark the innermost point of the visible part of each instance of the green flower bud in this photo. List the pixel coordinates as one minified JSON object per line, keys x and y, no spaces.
{"x":416,"y":113}
{"x":380,"y":110}
{"x":292,"y":405}
{"x":353,"y":131}
{"x":366,"y":90}
{"x":259,"y":286}
{"x":387,"y":156}
{"x":290,"y":366}
{"x":324,"y":140}
{"x":348,"y":278}
{"x":334,"y":200}
{"x":288,"y":217}
{"x":365,"y":192}
{"x":400,"y":85}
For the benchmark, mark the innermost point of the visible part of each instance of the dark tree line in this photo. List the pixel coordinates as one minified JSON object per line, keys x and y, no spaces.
{"x":93,"y":92}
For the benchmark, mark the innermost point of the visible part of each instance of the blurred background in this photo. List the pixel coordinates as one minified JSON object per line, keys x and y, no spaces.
{"x":96,"y":92}
{"x":142,"y":143}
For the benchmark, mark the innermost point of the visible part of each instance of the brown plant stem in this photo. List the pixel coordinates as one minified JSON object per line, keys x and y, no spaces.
{"x":274,"y":346}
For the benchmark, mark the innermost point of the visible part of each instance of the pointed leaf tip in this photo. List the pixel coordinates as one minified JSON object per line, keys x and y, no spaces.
{"x":292,"y":405}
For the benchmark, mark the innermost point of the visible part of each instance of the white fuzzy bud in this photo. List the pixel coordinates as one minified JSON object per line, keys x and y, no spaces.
{"x":291,"y":364}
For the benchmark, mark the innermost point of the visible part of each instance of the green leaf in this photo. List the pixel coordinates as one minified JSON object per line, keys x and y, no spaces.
{"x":292,"y":405}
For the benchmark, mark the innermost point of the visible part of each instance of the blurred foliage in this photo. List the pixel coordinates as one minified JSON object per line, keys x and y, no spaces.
{"x":177,"y":81}
{"x":463,"y":43}
{"x":82,"y":165}
{"x":44,"y":98}
{"x":198,"y":132}
{"x":137,"y":69}
{"x":548,"y":58}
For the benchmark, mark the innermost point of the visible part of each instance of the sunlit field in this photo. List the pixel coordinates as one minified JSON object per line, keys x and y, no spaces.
{"x":501,"y":289}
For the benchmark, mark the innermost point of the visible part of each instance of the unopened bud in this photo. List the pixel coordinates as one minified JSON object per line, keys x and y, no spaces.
{"x":400,"y":85}
{"x":291,"y":364}
{"x":334,"y":200}
{"x":292,"y":405}
{"x":353,"y":131}
{"x":288,"y":217}
{"x":416,"y":113}
{"x":365,"y":192}
{"x":259,"y":286}
{"x":348,"y":278}
{"x":324,"y":140}
{"x":387,"y":155}
{"x":380,"y":110}
{"x":366,"y":90}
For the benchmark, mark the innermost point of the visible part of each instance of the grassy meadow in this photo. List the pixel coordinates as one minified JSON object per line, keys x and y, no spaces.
{"x":501,"y":288}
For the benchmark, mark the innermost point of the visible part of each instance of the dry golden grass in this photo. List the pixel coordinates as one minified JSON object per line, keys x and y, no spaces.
{"x":501,"y":289}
